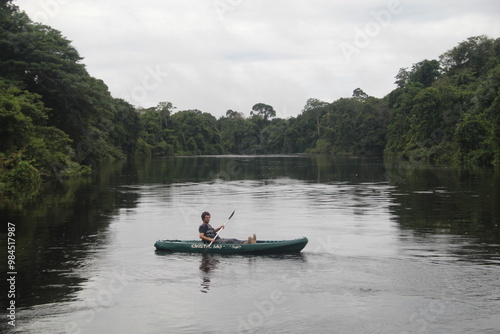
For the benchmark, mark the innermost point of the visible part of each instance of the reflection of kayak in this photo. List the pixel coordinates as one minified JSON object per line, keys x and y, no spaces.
{"x":261,"y":247}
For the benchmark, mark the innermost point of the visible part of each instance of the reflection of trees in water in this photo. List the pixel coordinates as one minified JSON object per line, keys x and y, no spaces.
{"x":456,"y":202}
{"x":208,"y":263}
{"x":59,"y":230}
{"x":452,"y":201}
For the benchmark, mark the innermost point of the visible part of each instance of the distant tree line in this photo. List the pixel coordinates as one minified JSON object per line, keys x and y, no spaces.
{"x":57,"y":121}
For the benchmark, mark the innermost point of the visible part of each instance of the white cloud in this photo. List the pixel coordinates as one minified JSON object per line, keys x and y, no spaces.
{"x":231,"y":54}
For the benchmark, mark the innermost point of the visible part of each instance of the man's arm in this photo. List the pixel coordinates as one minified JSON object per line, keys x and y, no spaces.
{"x":203,"y":237}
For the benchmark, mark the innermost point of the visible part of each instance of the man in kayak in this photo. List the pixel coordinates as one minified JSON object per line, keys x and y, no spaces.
{"x":208,"y":233}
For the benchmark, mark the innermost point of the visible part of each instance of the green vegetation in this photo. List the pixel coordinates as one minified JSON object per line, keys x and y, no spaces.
{"x":58,"y":121}
{"x":448,"y":111}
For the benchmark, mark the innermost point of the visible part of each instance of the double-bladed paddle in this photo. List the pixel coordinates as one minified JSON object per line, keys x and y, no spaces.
{"x":210,"y":244}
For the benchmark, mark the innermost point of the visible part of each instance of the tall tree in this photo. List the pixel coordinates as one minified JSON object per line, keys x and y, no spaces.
{"x":476,"y":53}
{"x":39,"y":59}
{"x":359,"y":94}
{"x":263,"y":110}
{"x":425,"y":72}
{"x":29,"y":148}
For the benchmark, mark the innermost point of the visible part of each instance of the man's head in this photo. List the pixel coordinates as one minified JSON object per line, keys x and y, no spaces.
{"x":205,"y":216}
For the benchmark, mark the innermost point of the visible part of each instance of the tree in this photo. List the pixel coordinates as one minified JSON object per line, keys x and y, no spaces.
{"x":273,"y":137}
{"x":316,"y":109}
{"x":340,"y":125}
{"x":479,"y":132}
{"x":425,"y":72}
{"x":233,"y":114}
{"x":196,"y":132}
{"x":446,"y":111}
{"x":403,"y":77}
{"x":29,"y":149}
{"x":232,"y":129}
{"x":157,"y":131}
{"x":474,"y":53}
{"x":39,"y":59}
{"x":127,"y":126}
{"x":359,"y":94}
{"x":313,"y":103}
{"x":263,"y":110}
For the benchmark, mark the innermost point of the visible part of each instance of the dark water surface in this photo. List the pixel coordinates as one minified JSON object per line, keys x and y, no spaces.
{"x":392,"y":249}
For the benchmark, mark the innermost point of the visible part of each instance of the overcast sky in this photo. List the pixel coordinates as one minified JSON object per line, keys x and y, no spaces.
{"x":215,"y":55}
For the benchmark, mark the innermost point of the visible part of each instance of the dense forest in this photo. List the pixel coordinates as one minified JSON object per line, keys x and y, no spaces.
{"x":57,"y":121}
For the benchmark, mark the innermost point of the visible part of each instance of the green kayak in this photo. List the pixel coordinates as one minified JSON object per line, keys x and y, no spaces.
{"x":261,"y":247}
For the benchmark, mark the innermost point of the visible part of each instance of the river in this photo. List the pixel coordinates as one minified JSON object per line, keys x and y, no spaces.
{"x":393,"y":248}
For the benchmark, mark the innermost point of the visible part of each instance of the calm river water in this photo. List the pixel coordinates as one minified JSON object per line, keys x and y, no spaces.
{"x":392,"y":249}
